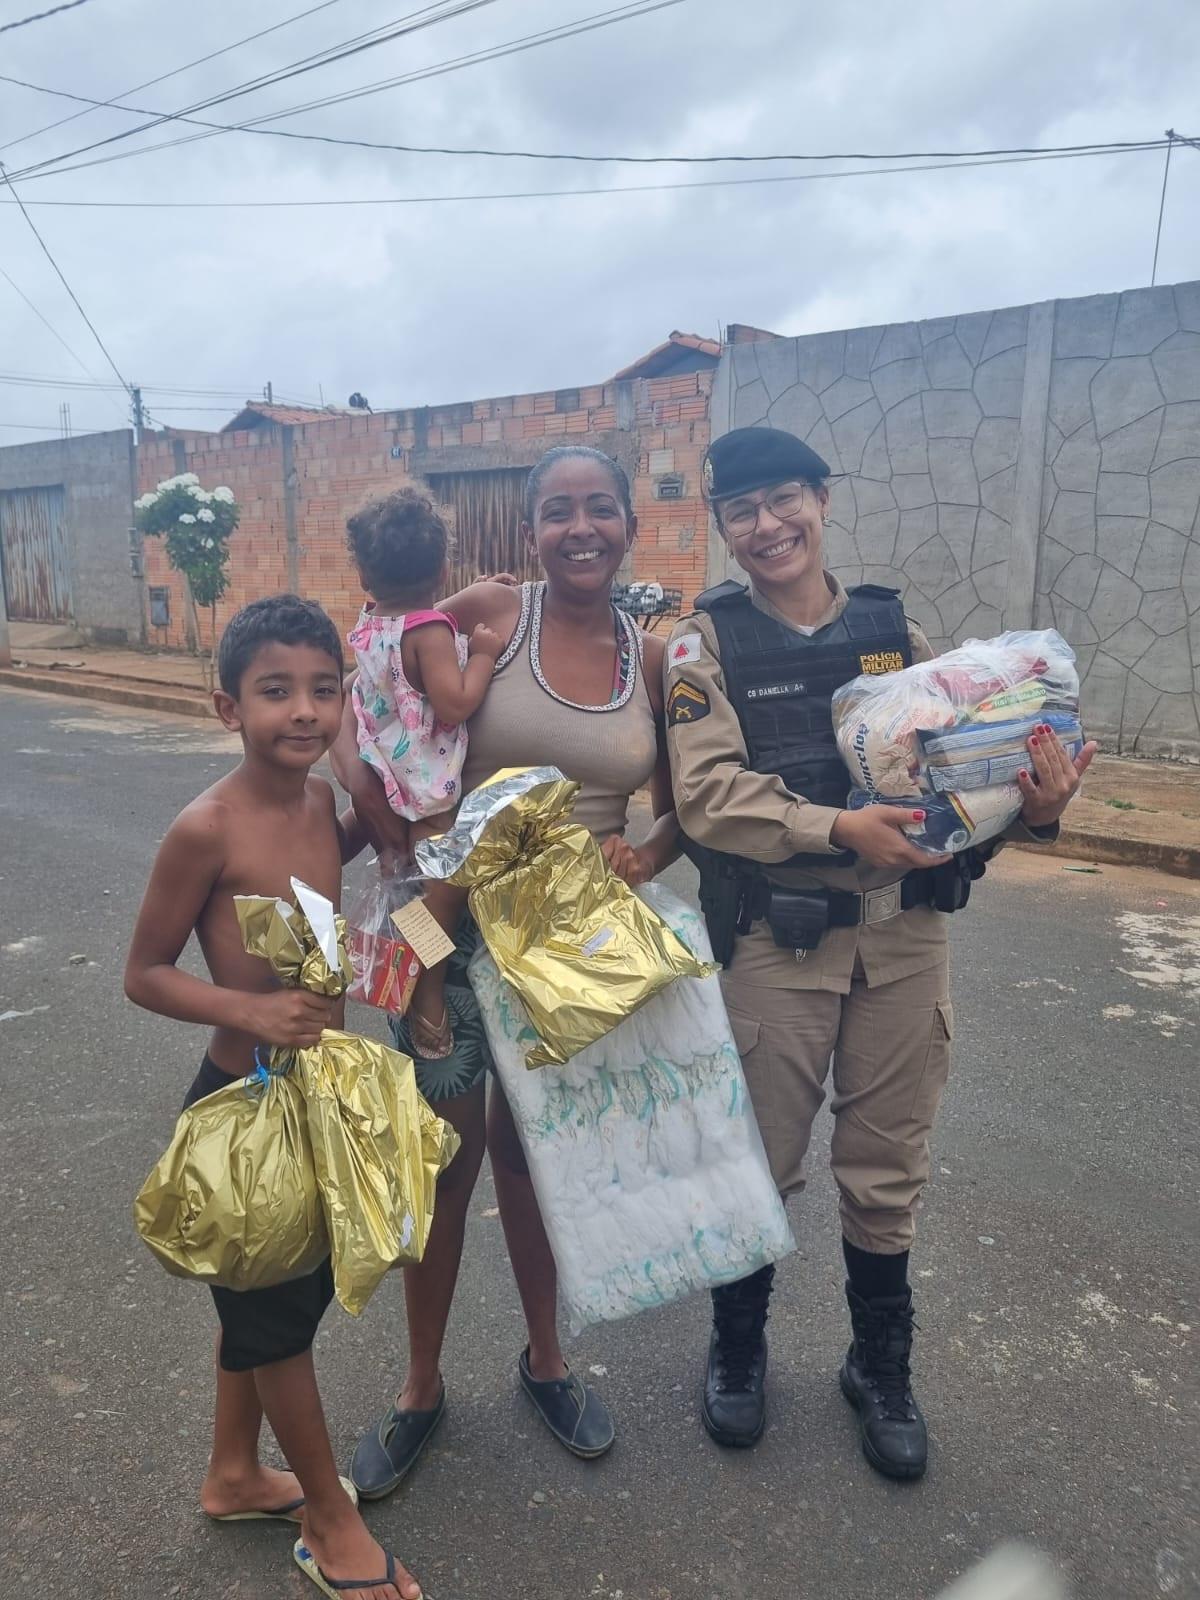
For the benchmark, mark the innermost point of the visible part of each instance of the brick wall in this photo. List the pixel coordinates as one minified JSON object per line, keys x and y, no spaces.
{"x":657,"y":427}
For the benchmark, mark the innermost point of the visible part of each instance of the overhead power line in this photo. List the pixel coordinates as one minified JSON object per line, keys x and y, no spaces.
{"x":40,"y":16}
{"x":632,"y":188}
{"x":46,"y":323}
{"x":35,"y":427}
{"x":1114,"y":146}
{"x":149,"y":83}
{"x":626,"y":13}
{"x":235,"y":394}
{"x":62,"y":277}
{"x":411,"y":22}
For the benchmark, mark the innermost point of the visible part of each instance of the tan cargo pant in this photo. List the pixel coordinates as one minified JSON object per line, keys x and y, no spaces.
{"x":890,"y":1053}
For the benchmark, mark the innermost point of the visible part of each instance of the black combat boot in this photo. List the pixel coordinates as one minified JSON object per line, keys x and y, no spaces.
{"x":735,"y":1408}
{"x":875,"y":1380}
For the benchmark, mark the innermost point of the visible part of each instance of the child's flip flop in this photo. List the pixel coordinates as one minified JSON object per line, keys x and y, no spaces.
{"x":288,"y":1513}
{"x":333,"y":1587}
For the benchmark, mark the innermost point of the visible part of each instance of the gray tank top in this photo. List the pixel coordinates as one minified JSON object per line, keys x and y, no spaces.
{"x":610,"y":749}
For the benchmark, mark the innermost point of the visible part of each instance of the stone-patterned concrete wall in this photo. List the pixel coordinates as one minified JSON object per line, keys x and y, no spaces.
{"x":1119,"y":560}
{"x":1037,"y":465}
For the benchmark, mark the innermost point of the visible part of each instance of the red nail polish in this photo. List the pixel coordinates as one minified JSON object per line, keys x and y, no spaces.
{"x":1024,"y":774}
{"x":1034,"y":741}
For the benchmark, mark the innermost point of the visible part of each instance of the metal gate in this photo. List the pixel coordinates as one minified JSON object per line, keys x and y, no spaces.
{"x":36,"y":564}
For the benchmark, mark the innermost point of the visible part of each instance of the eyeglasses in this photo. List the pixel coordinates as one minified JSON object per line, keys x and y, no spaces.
{"x":740,"y":518}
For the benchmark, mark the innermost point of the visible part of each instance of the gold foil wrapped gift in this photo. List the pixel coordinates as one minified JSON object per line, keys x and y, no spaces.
{"x":578,"y":946}
{"x":378,"y":1149}
{"x":330,"y":1150}
{"x":234,"y":1200}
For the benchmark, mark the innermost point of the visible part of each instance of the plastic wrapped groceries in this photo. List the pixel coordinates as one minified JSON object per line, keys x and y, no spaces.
{"x":952,"y":734}
{"x":386,"y":966}
{"x":645,"y":1156}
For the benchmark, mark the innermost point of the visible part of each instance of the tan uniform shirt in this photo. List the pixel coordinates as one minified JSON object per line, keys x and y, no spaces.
{"x":721,"y":803}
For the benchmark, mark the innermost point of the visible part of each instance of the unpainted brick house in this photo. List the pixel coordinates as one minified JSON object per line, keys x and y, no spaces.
{"x":298,"y":474}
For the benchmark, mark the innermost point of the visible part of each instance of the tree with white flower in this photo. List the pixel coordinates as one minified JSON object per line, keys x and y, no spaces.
{"x":197,"y":526}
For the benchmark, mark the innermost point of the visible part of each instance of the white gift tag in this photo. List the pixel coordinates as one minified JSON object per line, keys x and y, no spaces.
{"x":430,"y":943}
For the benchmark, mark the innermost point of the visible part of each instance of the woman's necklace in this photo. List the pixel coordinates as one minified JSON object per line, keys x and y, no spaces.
{"x":628,"y":656}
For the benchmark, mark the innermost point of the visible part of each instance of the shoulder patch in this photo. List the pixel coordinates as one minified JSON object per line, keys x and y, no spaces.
{"x":684,"y":649}
{"x":686,"y":703}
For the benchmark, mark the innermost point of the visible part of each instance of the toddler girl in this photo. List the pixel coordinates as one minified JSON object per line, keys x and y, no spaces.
{"x":418,"y":681}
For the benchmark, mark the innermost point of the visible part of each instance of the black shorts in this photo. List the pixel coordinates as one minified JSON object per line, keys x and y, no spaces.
{"x":259,"y":1326}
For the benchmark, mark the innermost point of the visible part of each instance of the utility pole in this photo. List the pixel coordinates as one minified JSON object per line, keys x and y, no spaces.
{"x":1162,"y":205}
{"x":135,"y":396}
{"x":270,"y":393}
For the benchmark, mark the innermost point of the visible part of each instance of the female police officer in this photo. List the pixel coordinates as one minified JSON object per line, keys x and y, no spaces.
{"x":829,"y":922}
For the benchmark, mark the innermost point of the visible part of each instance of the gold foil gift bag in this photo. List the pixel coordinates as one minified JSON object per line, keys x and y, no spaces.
{"x":578,"y":946}
{"x":234,"y":1200}
{"x":330,"y":1150}
{"x":378,"y":1150}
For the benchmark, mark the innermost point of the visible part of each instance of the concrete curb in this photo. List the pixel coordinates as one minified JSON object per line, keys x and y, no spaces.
{"x":177,"y":699}
{"x":1077,"y":844}
{"x":1081,"y":844}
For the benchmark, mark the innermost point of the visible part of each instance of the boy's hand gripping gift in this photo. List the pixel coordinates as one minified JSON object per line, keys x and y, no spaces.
{"x":646,"y":1159}
{"x":330,"y":1150}
{"x":952,"y":734}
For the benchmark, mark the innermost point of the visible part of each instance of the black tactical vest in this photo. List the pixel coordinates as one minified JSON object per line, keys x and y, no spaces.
{"x":781,"y":682}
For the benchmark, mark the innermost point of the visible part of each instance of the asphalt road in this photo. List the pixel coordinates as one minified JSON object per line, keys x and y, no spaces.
{"x":1056,"y":1275}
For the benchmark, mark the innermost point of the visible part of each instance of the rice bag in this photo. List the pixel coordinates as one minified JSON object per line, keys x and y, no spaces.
{"x":645,"y":1156}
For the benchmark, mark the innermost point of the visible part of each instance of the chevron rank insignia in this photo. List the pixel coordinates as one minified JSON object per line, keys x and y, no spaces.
{"x":686,"y":703}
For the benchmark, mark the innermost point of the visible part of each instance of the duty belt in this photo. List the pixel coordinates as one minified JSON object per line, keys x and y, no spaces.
{"x":799,"y":918}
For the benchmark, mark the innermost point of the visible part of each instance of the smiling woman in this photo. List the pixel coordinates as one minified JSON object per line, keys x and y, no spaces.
{"x":829,"y":922}
{"x":579,"y":687}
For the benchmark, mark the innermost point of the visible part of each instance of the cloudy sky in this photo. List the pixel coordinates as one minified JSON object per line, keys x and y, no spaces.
{"x":415,"y":304}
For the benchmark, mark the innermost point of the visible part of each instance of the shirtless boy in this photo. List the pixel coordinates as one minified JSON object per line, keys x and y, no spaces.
{"x":269,"y":820}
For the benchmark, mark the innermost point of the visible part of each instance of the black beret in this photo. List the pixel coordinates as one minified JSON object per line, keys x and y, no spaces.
{"x":757,"y":458}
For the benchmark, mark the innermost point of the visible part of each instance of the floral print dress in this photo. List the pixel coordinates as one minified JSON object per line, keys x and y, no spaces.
{"x":418,"y":758}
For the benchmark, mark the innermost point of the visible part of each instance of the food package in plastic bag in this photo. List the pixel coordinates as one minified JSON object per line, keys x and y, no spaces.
{"x":644,"y":1152}
{"x":386,"y":966}
{"x":325,"y":1151}
{"x":952,"y":822}
{"x":233,"y":1200}
{"x":580,"y":948}
{"x":952,"y":734}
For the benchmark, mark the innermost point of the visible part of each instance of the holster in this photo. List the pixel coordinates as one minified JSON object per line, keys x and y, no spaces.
{"x":797,"y":918}
{"x":724,"y":897}
{"x":953,"y":879}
